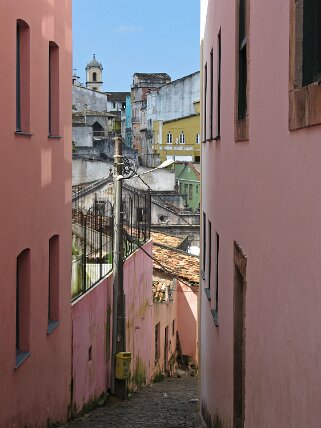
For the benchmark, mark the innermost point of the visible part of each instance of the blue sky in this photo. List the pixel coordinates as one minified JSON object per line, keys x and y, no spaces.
{"x":131,"y":36}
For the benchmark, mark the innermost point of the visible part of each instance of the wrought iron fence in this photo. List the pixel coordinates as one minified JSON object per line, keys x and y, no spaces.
{"x":92,"y":230}
{"x":92,"y":247}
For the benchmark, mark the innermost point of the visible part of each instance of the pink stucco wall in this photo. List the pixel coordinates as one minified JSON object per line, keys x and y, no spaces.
{"x":91,"y":343}
{"x":187,"y":308}
{"x":138,"y":277}
{"x":264,"y":194}
{"x":92,"y":329}
{"x":183,"y":310}
{"x":164,"y":314}
{"x":35,"y":176}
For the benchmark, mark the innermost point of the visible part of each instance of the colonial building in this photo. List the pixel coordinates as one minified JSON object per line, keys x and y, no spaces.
{"x":261,"y":131}
{"x":35,"y":172}
{"x":188,"y":183}
{"x":143,"y":83}
{"x":173,"y":116}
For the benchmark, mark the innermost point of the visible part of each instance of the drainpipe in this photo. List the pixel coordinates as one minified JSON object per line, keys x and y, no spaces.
{"x":118,"y":387}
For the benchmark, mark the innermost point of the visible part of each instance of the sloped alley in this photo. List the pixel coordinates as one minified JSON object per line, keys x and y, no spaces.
{"x":168,"y":404}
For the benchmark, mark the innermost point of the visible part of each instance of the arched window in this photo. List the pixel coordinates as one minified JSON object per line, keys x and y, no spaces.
{"x":182,"y":138}
{"x":22,"y":76}
{"x":169,"y":138}
{"x":197,"y":138}
{"x":94,"y":77}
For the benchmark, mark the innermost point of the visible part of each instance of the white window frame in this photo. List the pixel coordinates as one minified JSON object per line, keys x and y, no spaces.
{"x":182,"y":138}
{"x":169,"y":138}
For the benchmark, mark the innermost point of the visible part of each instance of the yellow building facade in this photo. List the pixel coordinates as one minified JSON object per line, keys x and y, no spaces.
{"x":178,"y":139}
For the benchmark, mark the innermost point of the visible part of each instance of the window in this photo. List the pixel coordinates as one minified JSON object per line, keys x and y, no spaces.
{"x":173,"y":328}
{"x":197,"y":138}
{"x":311,"y":42}
{"x":212,"y":89}
{"x":207,"y":289}
{"x":157,"y":342}
{"x":186,"y":189}
{"x":215,"y":313}
{"x":94,"y":77}
{"x":23,"y":77}
{"x":239,"y":333}
{"x":305,"y":64}
{"x":182,"y":138}
{"x":95,"y":89}
{"x":169,"y":138}
{"x":205,"y":101}
{"x":204,"y":244}
{"x":22,"y":306}
{"x":219,"y":65}
{"x":197,"y":190}
{"x":242,"y":72}
{"x":190,"y":192}
{"x":53,"y":288}
{"x":53,"y":89}
{"x":114,"y":105}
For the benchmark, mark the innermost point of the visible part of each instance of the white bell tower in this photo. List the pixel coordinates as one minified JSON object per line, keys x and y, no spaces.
{"x":94,"y":75}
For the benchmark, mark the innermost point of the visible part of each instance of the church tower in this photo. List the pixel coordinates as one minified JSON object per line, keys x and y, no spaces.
{"x":94,"y":75}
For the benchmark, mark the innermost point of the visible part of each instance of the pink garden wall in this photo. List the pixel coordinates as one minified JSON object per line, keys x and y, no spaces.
{"x":264,"y":194}
{"x":92,"y":329}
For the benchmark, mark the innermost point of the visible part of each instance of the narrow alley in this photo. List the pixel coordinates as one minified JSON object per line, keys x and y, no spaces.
{"x":169,"y":403}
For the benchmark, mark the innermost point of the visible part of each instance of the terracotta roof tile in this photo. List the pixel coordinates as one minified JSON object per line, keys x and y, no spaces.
{"x":177,"y":262}
{"x":170,"y":241}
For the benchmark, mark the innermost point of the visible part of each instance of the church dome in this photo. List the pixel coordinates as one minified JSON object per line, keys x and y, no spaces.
{"x":94,"y":63}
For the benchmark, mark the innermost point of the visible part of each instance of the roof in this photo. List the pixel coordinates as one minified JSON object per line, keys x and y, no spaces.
{"x":152,"y":76}
{"x":196,"y":168}
{"x":94,"y":63}
{"x":177,"y":262}
{"x":170,"y":241}
{"x":117,"y":96}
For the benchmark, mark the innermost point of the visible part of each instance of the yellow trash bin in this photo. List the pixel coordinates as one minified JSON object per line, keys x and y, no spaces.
{"x":123,"y":360}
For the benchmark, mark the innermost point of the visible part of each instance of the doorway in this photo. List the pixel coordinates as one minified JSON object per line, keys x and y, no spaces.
{"x":166,"y":350}
{"x":240,"y":263}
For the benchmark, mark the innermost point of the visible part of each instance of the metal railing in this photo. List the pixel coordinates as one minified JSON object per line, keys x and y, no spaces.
{"x":92,"y":231}
{"x":92,"y":257}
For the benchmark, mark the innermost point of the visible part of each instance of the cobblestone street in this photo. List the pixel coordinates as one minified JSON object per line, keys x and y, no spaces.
{"x":169,"y":403}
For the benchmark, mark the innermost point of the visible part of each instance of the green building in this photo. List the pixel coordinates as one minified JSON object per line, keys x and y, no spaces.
{"x":188,"y":183}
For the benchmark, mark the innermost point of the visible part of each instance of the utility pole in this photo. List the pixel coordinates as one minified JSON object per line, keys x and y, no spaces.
{"x":118,"y":387}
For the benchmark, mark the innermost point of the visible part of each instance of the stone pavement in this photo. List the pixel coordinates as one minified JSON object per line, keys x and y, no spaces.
{"x":166,"y":404}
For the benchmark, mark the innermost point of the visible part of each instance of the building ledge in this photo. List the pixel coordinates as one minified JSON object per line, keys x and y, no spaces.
{"x":215,"y":316}
{"x":55,"y":137}
{"x":52,"y":325}
{"x":208,"y":293}
{"x":23,"y":133}
{"x":21,"y":357}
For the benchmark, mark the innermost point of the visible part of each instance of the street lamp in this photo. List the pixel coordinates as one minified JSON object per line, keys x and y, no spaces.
{"x":118,"y":387}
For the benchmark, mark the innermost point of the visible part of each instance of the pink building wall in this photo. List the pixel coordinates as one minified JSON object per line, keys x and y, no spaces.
{"x":187,"y":308}
{"x":183,"y":310}
{"x":263,"y":194}
{"x":164,"y":313}
{"x":35,"y":176}
{"x":92,"y":330}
